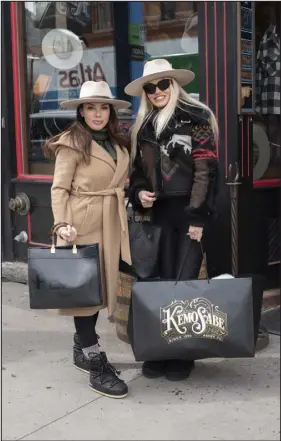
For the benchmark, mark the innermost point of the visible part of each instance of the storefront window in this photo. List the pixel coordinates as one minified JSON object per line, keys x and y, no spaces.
{"x":172,"y":33}
{"x":267,"y":128}
{"x":67,"y":43}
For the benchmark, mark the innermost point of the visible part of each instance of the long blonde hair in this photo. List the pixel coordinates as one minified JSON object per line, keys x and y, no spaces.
{"x":178,"y":97}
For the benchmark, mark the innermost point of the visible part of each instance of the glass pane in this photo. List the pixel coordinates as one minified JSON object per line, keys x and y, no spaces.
{"x":172,"y":33}
{"x":267,"y":128}
{"x":80,"y":48}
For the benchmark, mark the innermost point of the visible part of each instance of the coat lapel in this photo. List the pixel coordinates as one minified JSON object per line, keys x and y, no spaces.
{"x":122,"y":166}
{"x":120,"y":169}
{"x":100,"y":153}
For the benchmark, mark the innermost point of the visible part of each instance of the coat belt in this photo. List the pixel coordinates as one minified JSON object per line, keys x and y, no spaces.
{"x":119,"y":193}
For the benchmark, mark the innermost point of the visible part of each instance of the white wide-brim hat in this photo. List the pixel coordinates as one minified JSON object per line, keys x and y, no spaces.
{"x":95,"y":92}
{"x":157,"y":69}
{"x":62,"y":49}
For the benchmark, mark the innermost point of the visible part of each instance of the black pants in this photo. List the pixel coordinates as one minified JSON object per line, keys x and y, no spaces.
{"x":170,"y":215}
{"x":86,"y":330}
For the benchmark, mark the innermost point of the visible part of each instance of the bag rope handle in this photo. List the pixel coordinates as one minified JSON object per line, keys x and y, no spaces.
{"x":54,"y":234}
{"x":185,"y":257}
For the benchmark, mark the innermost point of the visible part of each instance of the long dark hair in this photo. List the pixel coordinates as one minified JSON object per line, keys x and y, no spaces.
{"x":81,"y":138}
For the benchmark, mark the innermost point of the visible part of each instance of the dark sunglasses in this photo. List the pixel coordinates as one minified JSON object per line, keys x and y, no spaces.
{"x":150,"y":88}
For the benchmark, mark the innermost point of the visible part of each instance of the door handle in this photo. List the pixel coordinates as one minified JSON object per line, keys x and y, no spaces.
{"x":20,"y":204}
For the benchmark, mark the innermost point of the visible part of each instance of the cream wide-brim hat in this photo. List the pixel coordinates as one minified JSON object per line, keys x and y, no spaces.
{"x":62,"y":49}
{"x":157,"y":69}
{"x":95,"y":92}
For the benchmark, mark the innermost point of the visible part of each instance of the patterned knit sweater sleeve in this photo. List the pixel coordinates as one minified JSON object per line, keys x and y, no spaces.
{"x":205,"y":173}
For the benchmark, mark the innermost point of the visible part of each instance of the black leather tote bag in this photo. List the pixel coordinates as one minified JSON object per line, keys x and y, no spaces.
{"x":64,"y":277}
{"x":145,"y":245}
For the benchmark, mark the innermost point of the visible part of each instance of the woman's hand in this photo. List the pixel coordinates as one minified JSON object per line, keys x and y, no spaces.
{"x":68,"y":233}
{"x":146,"y":198}
{"x":195,"y":233}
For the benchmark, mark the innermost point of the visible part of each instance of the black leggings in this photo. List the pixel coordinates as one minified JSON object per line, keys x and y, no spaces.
{"x":86,"y":330}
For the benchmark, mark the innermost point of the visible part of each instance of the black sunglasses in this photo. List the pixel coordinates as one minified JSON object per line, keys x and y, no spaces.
{"x":150,"y":88}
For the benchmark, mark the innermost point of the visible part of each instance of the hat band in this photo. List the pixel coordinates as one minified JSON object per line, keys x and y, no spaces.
{"x":97,"y":96}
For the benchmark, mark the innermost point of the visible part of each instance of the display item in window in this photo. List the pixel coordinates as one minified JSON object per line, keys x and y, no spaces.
{"x":189,"y":39}
{"x":268,"y":73}
{"x":62,"y":49}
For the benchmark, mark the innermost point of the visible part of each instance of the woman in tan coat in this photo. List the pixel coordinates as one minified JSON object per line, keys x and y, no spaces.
{"x":92,"y":162}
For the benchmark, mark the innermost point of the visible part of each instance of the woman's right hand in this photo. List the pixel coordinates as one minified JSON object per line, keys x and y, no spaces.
{"x":68,"y":233}
{"x":147,"y":198}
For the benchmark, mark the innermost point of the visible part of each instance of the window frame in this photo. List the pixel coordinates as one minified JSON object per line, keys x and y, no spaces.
{"x":19,"y":112}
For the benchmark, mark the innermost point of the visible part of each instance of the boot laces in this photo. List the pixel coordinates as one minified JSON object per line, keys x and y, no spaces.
{"x":108,"y":372}
{"x":108,"y":367}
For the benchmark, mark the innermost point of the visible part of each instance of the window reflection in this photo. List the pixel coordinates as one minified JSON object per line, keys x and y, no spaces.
{"x":168,"y":10}
{"x":84,"y":50}
{"x":172,"y":32}
{"x":171,"y":28}
{"x":103,"y":16}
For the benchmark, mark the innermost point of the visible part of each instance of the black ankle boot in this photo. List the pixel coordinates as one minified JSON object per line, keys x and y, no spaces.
{"x":154,"y":369}
{"x":76,"y":341}
{"x":178,"y":370}
{"x":79,"y":360}
{"x":104,"y":379}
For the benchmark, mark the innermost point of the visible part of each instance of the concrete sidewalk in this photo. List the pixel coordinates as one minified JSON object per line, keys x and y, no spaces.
{"x":45,"y":398}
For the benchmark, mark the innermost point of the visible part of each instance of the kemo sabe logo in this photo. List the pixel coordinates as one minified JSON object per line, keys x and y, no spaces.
{"x":196,"y":318}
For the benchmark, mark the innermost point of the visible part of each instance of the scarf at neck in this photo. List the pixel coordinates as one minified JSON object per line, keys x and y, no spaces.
{"x":103,"y":139}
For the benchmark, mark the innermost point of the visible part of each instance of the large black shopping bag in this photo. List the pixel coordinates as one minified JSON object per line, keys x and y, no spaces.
{"x":193,"y":319}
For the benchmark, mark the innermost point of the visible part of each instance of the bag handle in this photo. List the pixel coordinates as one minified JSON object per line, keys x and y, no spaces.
{"x":185,"y":257}
{"x":54,"y":237}
{"x":56,"y":227}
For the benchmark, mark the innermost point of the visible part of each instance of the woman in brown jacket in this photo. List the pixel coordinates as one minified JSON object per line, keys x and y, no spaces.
{"x":92,"y":162}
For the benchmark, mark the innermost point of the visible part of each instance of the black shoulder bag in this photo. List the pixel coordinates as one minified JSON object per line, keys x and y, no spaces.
{"x":145,"y":245}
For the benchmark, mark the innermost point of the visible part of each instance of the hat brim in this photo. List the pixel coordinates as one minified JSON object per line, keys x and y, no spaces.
{"x":73,"y":104}
{"x":182,"y":76}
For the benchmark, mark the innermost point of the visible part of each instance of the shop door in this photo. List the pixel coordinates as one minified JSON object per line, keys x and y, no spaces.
{"x":8,"y":169}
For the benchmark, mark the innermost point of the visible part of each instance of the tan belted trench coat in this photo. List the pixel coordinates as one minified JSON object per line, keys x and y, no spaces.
{"x":91,"y":199}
